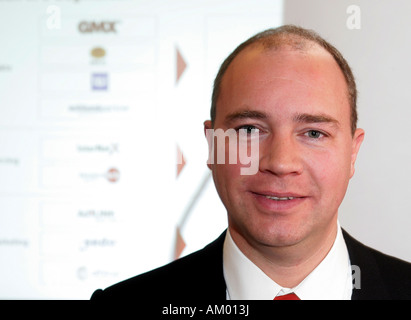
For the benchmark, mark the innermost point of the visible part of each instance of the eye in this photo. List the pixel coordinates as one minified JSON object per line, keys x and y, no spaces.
{"x":248,"y":129}
{"x":314,"y":134}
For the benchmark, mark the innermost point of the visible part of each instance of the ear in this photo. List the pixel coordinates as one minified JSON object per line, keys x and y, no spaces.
{"x":356,"y":144}
{"x":208,"y":126}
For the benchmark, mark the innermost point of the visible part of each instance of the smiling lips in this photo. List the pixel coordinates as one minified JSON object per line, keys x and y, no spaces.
{"x":278,"y":202}
{"x":279,"y":196}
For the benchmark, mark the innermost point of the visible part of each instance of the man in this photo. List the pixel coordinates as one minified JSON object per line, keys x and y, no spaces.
{"x":295,"y":92}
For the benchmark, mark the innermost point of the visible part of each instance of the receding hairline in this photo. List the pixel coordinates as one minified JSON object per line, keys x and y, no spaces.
{"x":281,"y":41}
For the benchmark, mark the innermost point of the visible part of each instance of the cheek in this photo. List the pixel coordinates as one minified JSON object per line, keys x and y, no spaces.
{"x":227,"y":180}
{"x":330,"y":172}
{"x":228,"y":170}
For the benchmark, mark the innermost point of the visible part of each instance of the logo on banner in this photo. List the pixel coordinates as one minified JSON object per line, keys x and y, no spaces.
{"x":98,"y":55}
{"x":99,"y":81}
{"x":101,"y":26}
{"x":113,"y":175}
{"x":98,"y":52}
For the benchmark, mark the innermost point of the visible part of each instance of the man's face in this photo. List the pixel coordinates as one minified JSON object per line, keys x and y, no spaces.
{"x":298,"y":102}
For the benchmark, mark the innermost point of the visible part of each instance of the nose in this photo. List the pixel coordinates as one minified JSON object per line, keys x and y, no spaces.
{"x":281,"y":156}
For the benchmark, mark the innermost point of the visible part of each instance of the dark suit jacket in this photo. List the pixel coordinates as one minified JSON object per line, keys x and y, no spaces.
{"x":199,"y":277}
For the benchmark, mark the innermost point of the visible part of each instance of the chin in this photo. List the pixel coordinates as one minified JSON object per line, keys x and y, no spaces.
{"x":277,"y":234}
{"x":280,"y":238}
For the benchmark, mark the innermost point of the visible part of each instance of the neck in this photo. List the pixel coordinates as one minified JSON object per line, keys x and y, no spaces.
{"x":289,"y":265}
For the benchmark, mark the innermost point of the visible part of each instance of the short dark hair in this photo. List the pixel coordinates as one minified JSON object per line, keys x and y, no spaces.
{"x":297,"y":38}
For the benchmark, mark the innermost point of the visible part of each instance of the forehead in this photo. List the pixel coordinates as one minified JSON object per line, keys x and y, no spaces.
{"x":259,"y":76}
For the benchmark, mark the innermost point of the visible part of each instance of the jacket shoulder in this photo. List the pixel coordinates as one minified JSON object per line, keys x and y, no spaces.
{"x":381,"y":276}
{"x":396,"y":274}
{"x":181,"y":279}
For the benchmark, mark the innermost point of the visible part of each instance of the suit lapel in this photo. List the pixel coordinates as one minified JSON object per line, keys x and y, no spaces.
{"x":366,"y":272}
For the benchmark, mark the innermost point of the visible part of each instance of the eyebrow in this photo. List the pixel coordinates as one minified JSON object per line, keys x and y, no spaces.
{"x":315,"y":118}
{"x":245,"y":114}
{"x":299,"y":118}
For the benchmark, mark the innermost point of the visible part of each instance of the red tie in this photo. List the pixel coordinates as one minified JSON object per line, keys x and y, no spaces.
{"x":290,"y":296}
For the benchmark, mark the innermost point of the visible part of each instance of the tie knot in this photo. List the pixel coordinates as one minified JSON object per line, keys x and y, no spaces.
{"x":290,"y":296}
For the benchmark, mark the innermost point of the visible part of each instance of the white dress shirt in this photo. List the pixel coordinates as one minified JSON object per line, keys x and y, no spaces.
{"x":330,"y":280}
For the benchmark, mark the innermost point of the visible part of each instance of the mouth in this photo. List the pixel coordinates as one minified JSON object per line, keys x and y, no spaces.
{"x":280,"y":198}
{"x":277,"y":202}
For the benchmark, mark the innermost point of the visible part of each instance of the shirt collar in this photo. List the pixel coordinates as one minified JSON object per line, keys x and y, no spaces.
{"x":331,"y":279}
